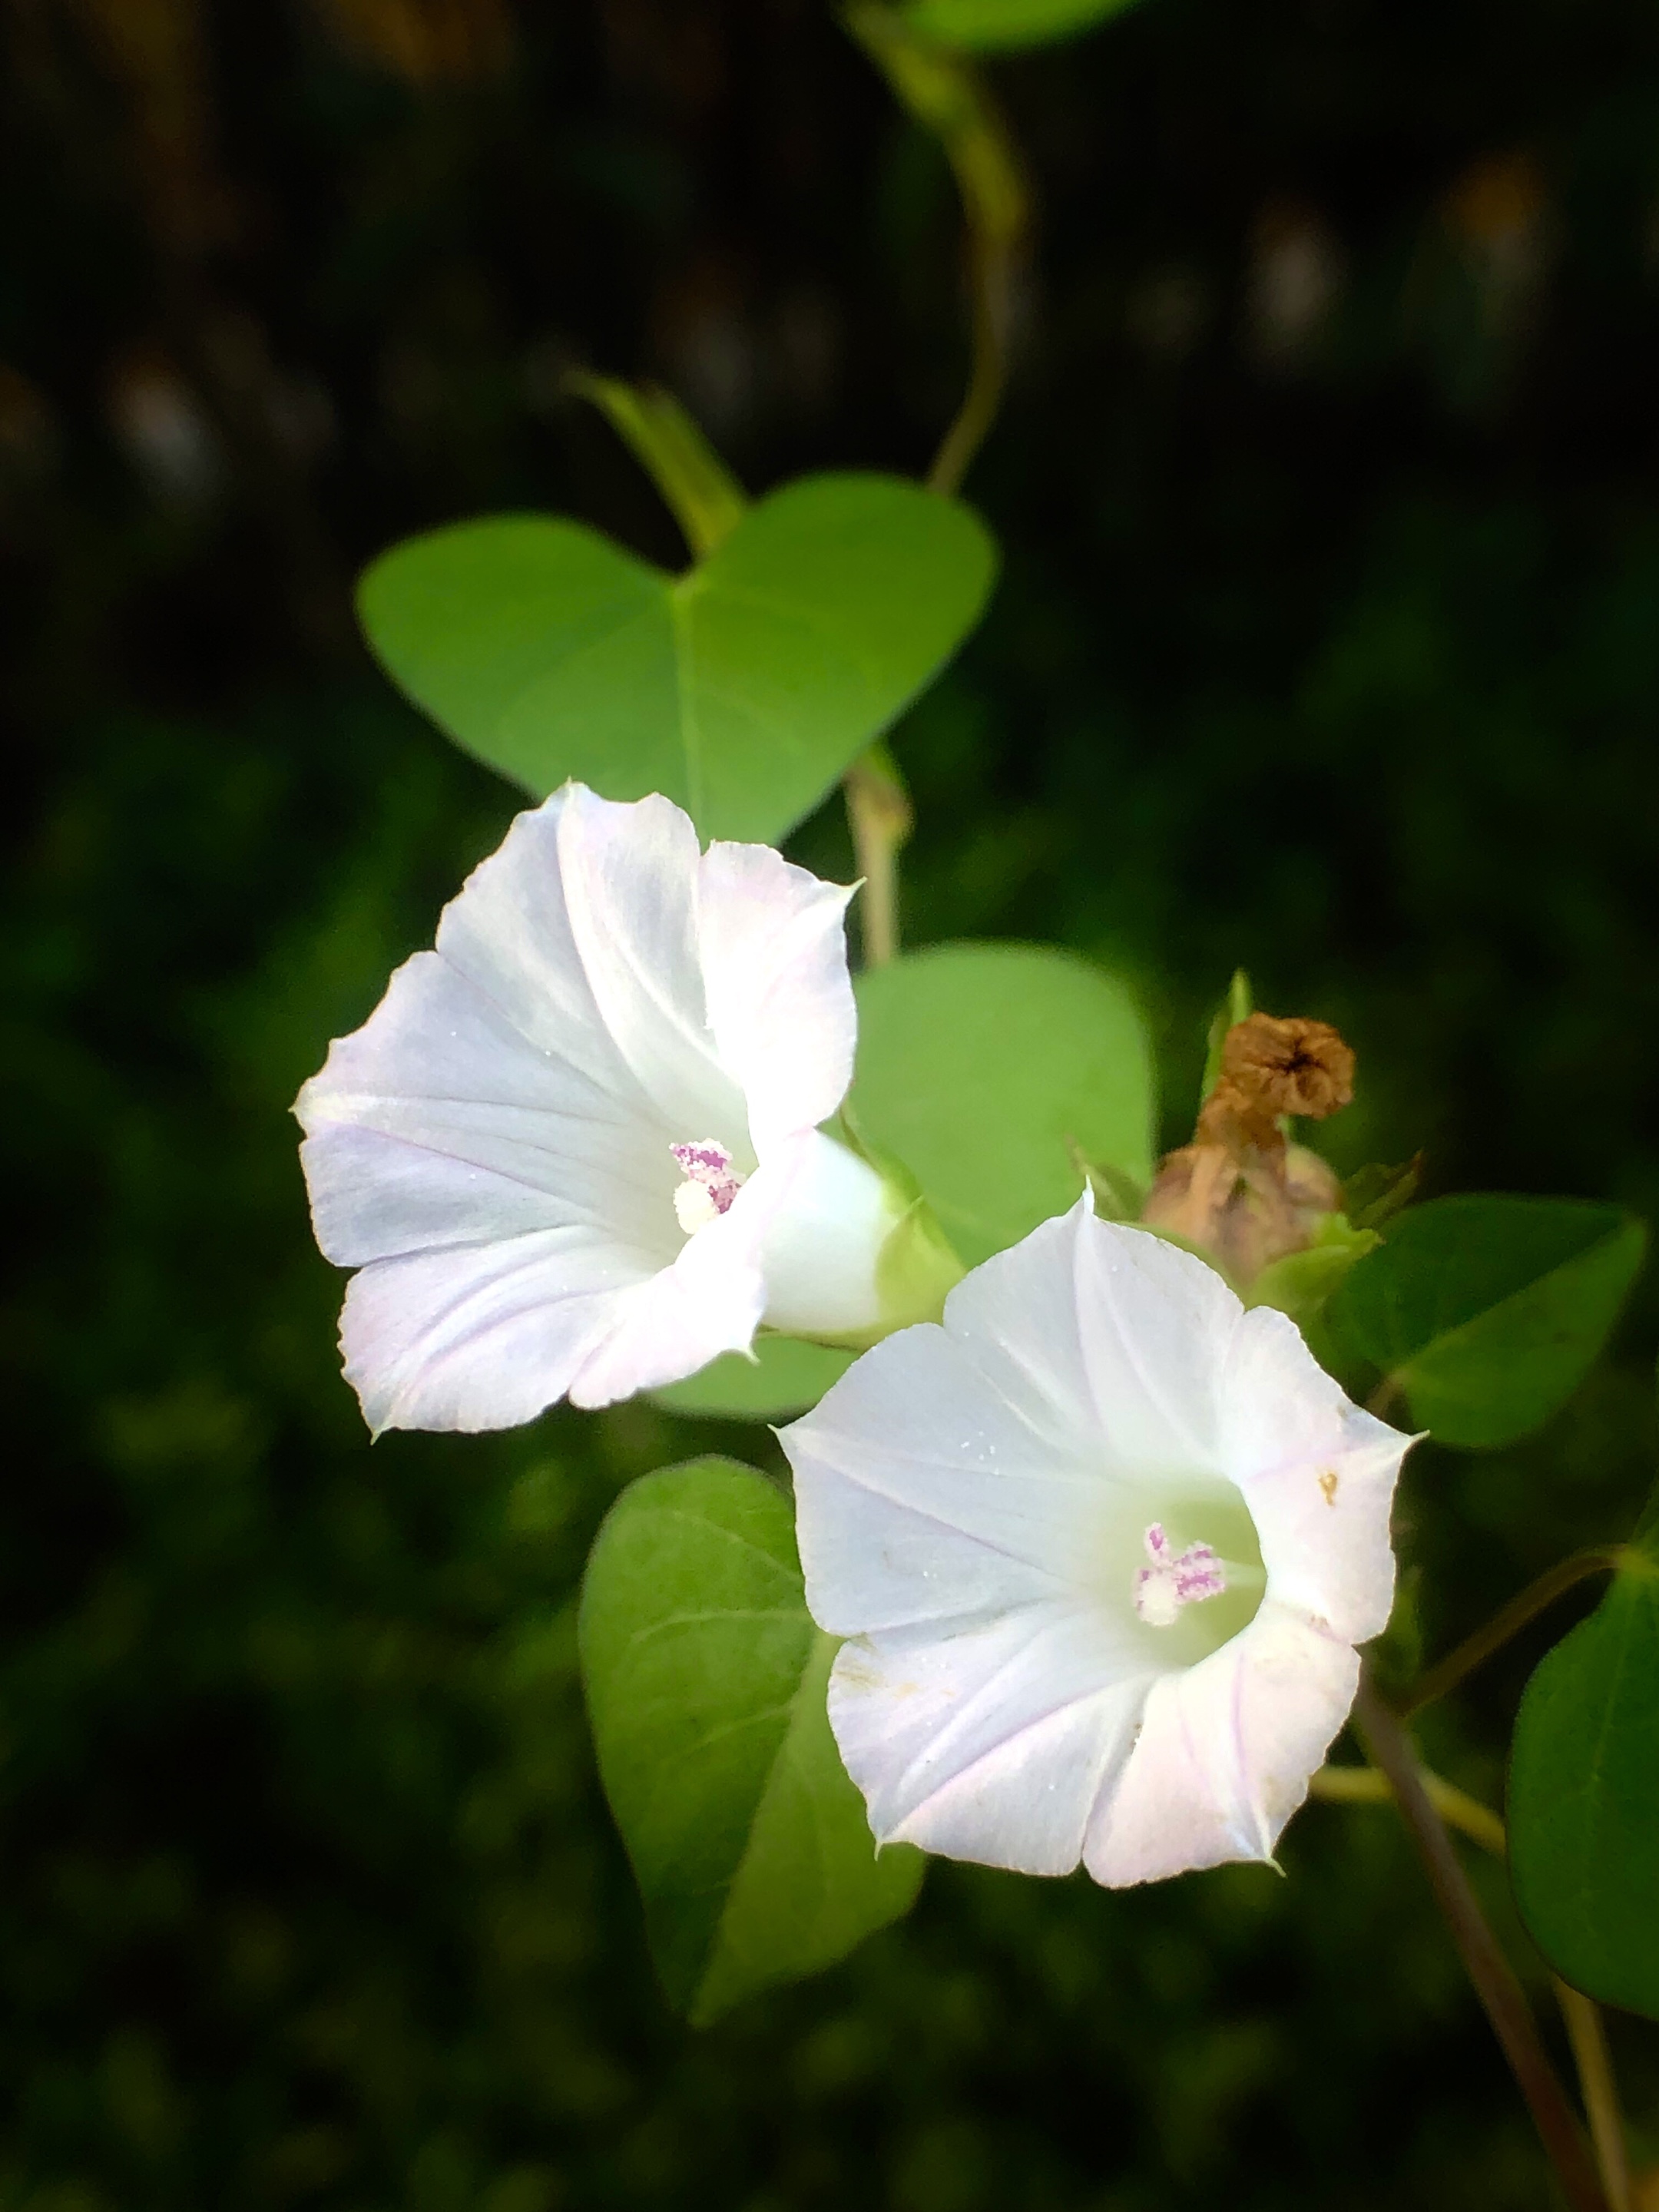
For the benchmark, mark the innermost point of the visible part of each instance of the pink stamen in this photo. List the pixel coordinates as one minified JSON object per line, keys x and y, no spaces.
{"x":707,"y":1166}
{"x":1175,"y":1579}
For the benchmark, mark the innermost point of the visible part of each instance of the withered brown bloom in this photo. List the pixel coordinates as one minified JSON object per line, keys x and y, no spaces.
{"x":1238,"y":1190}
{"x":1273,"y":1066}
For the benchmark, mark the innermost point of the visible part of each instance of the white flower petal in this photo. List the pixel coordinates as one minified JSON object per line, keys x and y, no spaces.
{"x":773,"y":944}
{"x":379,"y":1197}
{"x":582,"y":929}
{"x":478,"y":1336}
{"x":1014,"y":1319}
{"x":1117,"y":1337}
{"x":629,"y":876}
{"x":1155,"y":1323}
{"x":490,"y":1335}
{"x":500,"y":1145}
{"x":439,"y":1122}
{"x":1318,"y":1474}
{"x":710,"y":1300}
{"x":1225,"y":1752}
{"x":922,"y":1495}
{"x":991,"y":1744}
{"x":977,"y":1504}
{"x":822,"y":1257}
{"x":507,"y":932}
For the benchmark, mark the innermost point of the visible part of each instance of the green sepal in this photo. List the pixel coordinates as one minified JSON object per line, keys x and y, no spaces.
{"x":1300,"y":1283}
{"x":917,"y":1269}
{"x":1371,"y":1196}
{"x":918,"y":1266}
{"x":1237,"y":1006}
{"x":1117,"y":1196}
{"x":706,"y":1681}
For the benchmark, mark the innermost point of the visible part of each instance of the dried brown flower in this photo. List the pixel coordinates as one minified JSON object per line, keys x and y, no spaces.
{"x":1248,"y":1206}
{"x":1238,"y":1190}
{"x":1271,"y":1065}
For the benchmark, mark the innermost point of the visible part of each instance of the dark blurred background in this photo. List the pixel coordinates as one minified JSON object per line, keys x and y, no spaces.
{"x":1329,"y":642}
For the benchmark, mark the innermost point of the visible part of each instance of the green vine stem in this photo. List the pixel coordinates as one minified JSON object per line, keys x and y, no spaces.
{"x":879,"y":815}
{"x":699,"y":490}
{"x":1368,"y":1785}
{"x":944,"y":94}
{"x":1499,"y":1992}
{"x":1388,"y":1394}
{"x":941,"y":90}
{"x":1587,"y":2035}
{"x":1507,"y":1621}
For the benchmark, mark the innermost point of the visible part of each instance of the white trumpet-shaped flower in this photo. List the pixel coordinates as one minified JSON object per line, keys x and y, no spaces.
{"x":1102,"y":1545}
{"x":574,"y":1151}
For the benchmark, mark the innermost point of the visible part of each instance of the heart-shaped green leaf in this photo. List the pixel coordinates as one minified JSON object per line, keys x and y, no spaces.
{"x":1584,"y":1795}
{"x":1487,"y":1312}
{"x":741,"y":690}
{"x":786,"y":1376}
{"x":992,"y":1072}
{"x":989,"y":26}
{"x":706,"y":1684}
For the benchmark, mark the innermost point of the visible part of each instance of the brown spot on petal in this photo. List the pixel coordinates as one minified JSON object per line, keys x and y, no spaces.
{"x":1327,"y":1483}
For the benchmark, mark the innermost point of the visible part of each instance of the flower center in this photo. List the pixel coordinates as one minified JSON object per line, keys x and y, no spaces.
{"x":1174,"y":1578}
{"x":711,"y":1183}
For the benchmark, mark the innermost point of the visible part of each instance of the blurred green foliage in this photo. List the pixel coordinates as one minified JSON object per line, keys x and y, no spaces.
{"x":1328,"y":644}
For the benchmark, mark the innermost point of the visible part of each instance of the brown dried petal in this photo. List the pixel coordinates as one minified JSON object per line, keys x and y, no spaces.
{"x":1286,"y":1065}
{"x":1234,"y":1118}
{"x":1240,"y":1210}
